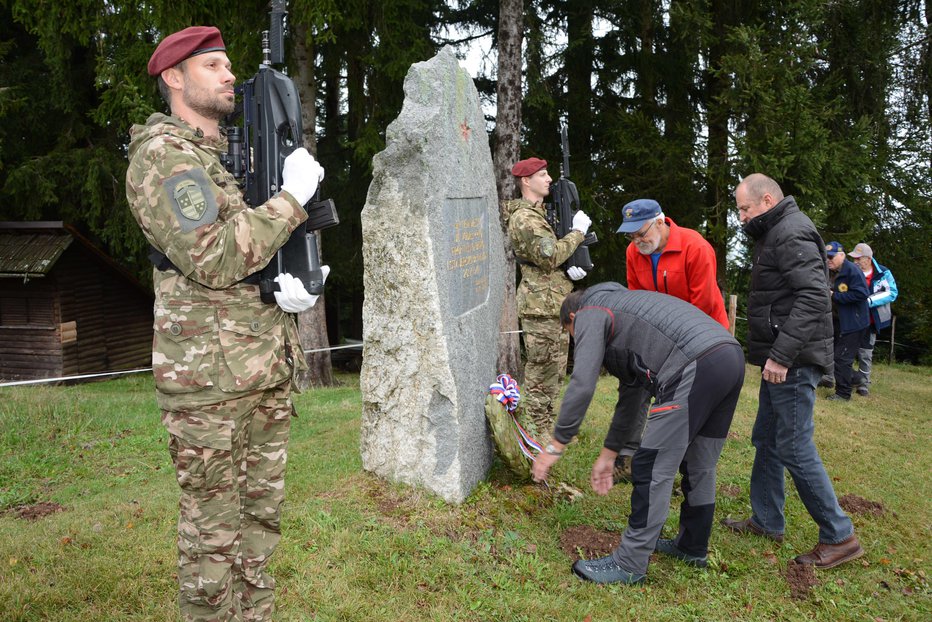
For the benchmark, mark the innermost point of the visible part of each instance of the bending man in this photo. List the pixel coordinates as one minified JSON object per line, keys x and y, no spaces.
{"x":694,"y":368}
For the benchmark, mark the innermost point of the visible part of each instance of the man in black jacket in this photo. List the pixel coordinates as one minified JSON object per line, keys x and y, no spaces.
{"x":661,"y":346}
{"x":790,"y":337}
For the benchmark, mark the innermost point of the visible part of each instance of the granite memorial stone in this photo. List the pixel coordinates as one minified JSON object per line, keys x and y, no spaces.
{"x":433,"y":277}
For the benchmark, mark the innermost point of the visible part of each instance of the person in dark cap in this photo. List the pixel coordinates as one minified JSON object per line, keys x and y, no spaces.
{"x":223,"y":359}
{"x":851,"y":316}
{"x":543,"y":287}
{"x":664,"y":257}
{"x":790,"y":339}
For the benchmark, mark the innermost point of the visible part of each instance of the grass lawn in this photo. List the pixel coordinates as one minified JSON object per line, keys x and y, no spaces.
{"x":358,"y":548}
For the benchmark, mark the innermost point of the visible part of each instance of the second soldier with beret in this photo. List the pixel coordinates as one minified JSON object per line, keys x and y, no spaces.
{"x":543,"y":286}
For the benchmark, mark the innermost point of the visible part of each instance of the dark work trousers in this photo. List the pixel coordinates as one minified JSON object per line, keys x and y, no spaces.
{"x":846,"y":348}
{"x":686,"y":430}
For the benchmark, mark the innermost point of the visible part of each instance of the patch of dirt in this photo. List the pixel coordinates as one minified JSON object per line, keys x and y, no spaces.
{"x":36,"y":511}
{"x":392,"y":505}
{"x":801,"y":579}
{"x":729,"y":490}
{"x":854,"y":504}
{"x":586,"y":542}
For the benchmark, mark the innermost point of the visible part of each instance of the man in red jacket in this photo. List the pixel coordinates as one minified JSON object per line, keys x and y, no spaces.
{"x":666,"y":258}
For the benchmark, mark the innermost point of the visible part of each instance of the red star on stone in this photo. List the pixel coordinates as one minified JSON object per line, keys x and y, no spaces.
{"x":465,"y":130}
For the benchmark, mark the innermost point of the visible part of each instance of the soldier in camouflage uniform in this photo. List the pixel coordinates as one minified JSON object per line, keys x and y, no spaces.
{"x":542,"y":289}
{"x":223,"y":360}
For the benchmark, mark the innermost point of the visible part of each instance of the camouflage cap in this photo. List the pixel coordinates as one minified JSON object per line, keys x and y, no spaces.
{"x":184,"y":44}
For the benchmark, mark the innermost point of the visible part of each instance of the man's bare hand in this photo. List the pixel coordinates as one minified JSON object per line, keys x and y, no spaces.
{"x":601,"y":478}
{"x":774,"y":372}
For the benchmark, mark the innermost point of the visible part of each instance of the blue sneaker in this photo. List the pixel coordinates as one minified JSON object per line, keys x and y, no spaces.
{"x":605,"y":570}
{"x":667,"y":547}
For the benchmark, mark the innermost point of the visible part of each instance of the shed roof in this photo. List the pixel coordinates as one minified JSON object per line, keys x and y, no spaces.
{"x":31,"y":249}
{"x":31,"y":252}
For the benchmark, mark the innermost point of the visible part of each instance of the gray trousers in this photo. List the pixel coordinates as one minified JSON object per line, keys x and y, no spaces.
{"x":686,"y":430}
{"x":863,"y":360}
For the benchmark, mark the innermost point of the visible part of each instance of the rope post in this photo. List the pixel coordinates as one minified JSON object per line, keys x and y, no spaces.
{"x":732,"y":313}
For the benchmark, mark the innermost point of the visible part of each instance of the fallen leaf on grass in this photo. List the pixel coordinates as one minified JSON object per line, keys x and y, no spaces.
{"x":884,"y":561}
{"x":13,"y":561}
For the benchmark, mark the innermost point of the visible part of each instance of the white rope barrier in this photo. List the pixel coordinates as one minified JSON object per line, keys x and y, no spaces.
{"x":16,"y":383}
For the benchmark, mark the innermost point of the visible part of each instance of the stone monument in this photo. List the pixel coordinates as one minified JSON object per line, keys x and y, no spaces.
{"x":434,"y":277}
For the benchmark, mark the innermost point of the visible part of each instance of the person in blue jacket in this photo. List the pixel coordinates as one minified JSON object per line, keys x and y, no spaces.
{"x":849,"y":297}
{"x":882,"y":288}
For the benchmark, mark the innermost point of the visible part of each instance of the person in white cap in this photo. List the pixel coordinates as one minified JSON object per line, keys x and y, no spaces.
{"x":882,"y":288}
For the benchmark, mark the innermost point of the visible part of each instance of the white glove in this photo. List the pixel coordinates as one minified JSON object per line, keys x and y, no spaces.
{"x":581,"y":222}
{"x":575,"y":273}
{"x":301,"y":174}
{"x":294,"y":297}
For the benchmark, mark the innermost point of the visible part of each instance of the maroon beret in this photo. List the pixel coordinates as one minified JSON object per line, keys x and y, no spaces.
{"x":526,"y":168}
{"x":184,"y":44}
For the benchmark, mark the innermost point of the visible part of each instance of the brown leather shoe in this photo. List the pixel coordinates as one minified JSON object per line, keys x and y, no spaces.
{"x":831,"y":555}
{"x":748,"y":526}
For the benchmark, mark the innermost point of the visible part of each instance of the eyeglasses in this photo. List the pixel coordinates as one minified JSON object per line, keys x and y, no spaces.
{"x":639,"y":235}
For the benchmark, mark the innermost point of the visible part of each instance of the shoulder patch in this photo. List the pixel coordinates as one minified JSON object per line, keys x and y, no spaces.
{"x":191,"y":196}
{"x":546,"y":247}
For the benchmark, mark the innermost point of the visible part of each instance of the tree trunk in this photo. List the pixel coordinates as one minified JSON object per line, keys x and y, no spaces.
{"x":580,"y":60}
{"x":507,"y":152}
{"x":927,"y":62}
{"x":718,"y":170}
{"x":312,"y":324}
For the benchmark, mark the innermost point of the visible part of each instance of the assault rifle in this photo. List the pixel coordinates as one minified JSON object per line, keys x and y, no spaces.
{"x":563,"y":206}
{"x":271,"y":129}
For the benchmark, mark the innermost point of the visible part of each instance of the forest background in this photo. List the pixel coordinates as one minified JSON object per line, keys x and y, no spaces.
{"x":669,"y":99}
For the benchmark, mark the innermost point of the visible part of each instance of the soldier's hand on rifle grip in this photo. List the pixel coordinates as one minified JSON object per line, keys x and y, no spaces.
{"x":575,"y":273}
{"x":301,"y":175}
{"x":294,"y":297}
{"x":581,"y":222}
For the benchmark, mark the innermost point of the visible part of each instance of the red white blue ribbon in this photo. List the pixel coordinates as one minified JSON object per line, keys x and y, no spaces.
{"x":505,"y":389}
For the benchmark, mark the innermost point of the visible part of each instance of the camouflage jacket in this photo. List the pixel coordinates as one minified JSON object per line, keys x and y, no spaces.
{"x":544,"y":284}
{"x":212,"y":332}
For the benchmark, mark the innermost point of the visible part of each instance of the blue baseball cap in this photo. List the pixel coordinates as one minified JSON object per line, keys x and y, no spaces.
{"x":636,"y":213}
{"x":833,"y":248}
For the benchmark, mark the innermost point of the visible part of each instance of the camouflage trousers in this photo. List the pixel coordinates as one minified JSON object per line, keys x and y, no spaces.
{"x":545,"y":345}
{"x":229,"y":460}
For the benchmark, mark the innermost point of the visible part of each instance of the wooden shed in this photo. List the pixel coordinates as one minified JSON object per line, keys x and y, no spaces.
{"x":66,"y":308}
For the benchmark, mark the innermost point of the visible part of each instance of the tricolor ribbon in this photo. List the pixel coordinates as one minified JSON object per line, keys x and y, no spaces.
{"x":505,"y":389}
